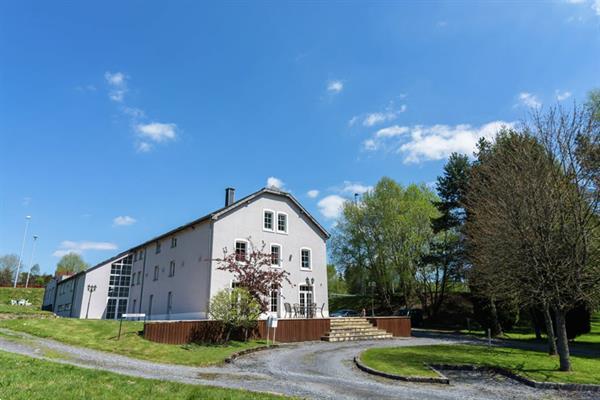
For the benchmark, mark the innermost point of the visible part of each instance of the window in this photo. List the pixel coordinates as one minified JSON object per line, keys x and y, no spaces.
{"x":268,"y":220}
{"x":156,"y":273}
{"x":111,"y":308}
{"x":235,"y":285}
{"x":135,"y":256}
{"x":305,"y":259}
{"x":169,"y":303}
{"x":157,"y":247}
{"x":141,"y":254}
{"x":172,"y":268}
{"x":173,"y":242}
{"x":282,"y":222}
{"x":274,"y":299}
{"x":150,"y":306}
{"x":240,"y":250}
{"x":276,"y":255}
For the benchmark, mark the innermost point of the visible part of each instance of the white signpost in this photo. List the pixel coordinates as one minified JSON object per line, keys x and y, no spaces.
{"x":271,"y":324}
{"x":142,"y":315}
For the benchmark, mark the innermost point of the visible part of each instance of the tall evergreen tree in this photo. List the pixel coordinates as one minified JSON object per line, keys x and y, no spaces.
{"x":445,"y":261}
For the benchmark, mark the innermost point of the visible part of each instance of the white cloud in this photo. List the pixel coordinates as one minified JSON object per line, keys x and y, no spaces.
{"x":391,"y":131}
{"x":134,"y":112}
{"x":275,"y":183}
{"x":355,"y":187}
{"x":375,"y":118}
{"x":560,"y":96}
{"x":335,"y":86}
{"x":68,"y":246}
{"x":143,"y":147}
{"x":596,"y":7}
{"x":118,"y":85}
{"x":422,"y":143}
{"x":312,"y":193}
{"x":529,"y":100}
{"x":124,"y":220}
{"x":156,"y":131}
{"x":331,"y":206}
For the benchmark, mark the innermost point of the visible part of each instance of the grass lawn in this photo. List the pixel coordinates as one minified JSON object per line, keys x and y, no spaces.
{"x":33,"y":295}
{"x":101,"y":335}
{"x":27,"y":378}
{"x":591,"y":339}
{"x":409,"y":361}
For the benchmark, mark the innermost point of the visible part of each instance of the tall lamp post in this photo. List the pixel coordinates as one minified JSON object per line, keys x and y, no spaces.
{"x":27,"y":219}
{"x":91,"y":289}
{"x":35,"y":237}
{"x":372,"y":284}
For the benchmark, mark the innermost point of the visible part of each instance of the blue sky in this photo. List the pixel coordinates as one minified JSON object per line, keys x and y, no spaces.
{"x":120,"y":120}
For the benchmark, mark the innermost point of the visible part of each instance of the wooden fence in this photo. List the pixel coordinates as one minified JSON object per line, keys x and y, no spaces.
{"x":288,"y":330}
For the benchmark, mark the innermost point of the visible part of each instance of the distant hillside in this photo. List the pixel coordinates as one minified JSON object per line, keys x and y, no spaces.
{"x":34,"y":295}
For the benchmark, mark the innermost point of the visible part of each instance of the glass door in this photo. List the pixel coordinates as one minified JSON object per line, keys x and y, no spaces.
{"x":306,"y":300}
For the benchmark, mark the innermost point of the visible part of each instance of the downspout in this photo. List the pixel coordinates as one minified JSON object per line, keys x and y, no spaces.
{"x":210,"y":263}
{"x":143,"y":280}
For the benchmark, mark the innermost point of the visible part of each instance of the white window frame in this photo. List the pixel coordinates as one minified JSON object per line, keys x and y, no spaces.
{"x":287,"y":222}
{"x":235,"y":247}
{"x":280,"y":265}
{"x":278,"y":299}
{"x":273,"y":220}
{"x":310,"y":261}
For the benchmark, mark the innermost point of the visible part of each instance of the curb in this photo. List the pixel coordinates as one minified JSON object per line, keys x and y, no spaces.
{"x":232,"y":357}
{"x":419,"y":379}
{"x":572,"y":387}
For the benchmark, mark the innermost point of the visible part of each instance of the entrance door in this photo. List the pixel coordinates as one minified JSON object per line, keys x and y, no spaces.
{"x":306,"y":299}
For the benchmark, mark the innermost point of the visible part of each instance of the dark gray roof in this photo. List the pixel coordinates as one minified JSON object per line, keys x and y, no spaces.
{"x":213,"y":215}
{"x":216,"y":214}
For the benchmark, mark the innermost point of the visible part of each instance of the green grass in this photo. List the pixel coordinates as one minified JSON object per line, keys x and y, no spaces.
{"x":590,"y":340}
{"x":30,"y":379}
{"x":101,"y":335}
{"x":34,"y":295}
{"x":537,"y":365}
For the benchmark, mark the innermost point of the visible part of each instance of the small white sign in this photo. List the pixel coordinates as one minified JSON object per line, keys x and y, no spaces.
{"x":272,"y":322}
{"x":133,"y":315}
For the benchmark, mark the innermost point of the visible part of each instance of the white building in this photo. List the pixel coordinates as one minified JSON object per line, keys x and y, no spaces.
{"x":174,"y":275}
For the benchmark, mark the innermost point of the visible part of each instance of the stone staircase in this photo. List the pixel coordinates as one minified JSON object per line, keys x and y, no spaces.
{"x":346,"y":329}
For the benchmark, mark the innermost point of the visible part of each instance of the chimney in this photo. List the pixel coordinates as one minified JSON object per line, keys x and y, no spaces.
{"x":229,"y":196}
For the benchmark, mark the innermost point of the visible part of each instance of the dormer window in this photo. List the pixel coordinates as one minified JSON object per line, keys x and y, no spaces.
{"x":282,"y":223}
{"x":268,"y":220}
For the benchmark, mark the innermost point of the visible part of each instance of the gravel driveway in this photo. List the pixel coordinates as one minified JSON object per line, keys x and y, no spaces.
{"x":317,"y":370}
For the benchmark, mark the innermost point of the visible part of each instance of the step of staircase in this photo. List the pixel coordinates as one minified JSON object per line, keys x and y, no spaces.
{"x":347,"y":329}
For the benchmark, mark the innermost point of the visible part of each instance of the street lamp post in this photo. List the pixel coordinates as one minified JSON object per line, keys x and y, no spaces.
{"x":91,"y":289}
{"x":27,"y":219}
{"x":372,"y":285}
{"x":35,"y":237}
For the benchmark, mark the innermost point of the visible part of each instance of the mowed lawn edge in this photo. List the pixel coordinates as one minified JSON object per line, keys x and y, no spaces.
{"x":31,"y":379}
{"x":535,"y":365}
{"x":102,"y":335}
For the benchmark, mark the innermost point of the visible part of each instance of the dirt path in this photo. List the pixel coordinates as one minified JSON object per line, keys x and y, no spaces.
{"x":317,"y":370}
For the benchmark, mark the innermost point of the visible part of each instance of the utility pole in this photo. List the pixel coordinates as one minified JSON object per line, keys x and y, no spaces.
{"x":91,"y":289}
{"x":27,"y":219}
{"x":35,"y":237}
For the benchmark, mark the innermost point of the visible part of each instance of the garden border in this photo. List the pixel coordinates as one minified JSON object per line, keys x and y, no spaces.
{"x":420,"y":379}
{"x":232,"y":357}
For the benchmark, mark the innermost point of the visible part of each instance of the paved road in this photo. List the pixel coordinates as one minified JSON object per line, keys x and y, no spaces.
{"x":316,"y":370}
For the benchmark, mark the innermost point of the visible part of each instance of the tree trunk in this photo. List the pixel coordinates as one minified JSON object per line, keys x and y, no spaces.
{"x":549,"y":331}
{"x":496,"y":328}
{"x":563,"y":342}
